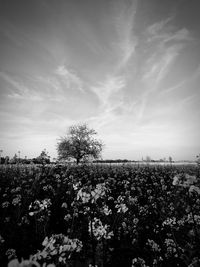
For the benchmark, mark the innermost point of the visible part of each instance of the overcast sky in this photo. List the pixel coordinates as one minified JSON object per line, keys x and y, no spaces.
{"x":130,"y":69}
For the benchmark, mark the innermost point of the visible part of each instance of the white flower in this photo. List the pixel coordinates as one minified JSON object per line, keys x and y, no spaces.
{"x":154,"y":246}
{"x":76,"y":186}
{"x":184,"y":180}
{"x":64,"y":205}
{"x":170,"y":222}
{"x":59,"y":245}
{"x":176,"y":180}
{"x":121,"y":208}
{"x":45,"y":242}
{"x":99,"y":230}
{"x":106,"y":210}
{"x":83,"y":196}
{"x":194,"y":189}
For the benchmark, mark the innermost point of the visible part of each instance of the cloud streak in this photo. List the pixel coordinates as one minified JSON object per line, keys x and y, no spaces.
{"x":106,"y":90}
{"x":69,"y":78}
{"x":158,"y":65}
{"x":124,"y":18}
{"x":19,"y":89}
{"x":165,"y":44}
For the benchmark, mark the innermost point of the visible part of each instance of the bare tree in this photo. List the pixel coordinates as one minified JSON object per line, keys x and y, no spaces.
{"x":79,"y":144}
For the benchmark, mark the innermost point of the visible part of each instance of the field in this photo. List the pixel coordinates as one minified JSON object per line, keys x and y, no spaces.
{"x":100,"y":215}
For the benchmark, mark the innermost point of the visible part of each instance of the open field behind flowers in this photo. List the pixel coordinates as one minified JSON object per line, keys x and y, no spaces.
{"x":100,"y":216}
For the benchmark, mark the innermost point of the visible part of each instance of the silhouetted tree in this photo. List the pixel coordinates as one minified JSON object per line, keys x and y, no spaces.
{"x":79,"y":144}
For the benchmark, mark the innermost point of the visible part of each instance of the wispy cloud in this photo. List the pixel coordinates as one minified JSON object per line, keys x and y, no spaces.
{"x":168,"y":43}
{"x":124,"y":18}
{"x":69,"y":78}
{"x":158,"y":65}
{"x":185,"y":82}
{"x":102,"y":119}
{"x":32,"y":88}
{"x":108,"y":89}
{"x":163,"y":32}
{"x":156,"y":68}
{"x":164,"y":44}
{"x":110,"y":95}
{"x":156,"y":28}
{"x":19,"y":89}
{"x":112,"y":89}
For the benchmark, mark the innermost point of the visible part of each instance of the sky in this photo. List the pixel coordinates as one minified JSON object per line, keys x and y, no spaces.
{"x":129,"y":69}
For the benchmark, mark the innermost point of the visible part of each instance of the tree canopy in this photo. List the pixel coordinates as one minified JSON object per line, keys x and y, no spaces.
{"x":79,"y":144}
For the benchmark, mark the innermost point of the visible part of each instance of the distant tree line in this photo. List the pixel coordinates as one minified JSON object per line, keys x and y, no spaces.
{"x":148,"y":159}
{"x":113,"y":161}
{"x":43,"y":158}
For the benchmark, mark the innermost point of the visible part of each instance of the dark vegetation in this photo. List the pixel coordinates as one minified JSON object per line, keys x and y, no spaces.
{"x":107,"y":215}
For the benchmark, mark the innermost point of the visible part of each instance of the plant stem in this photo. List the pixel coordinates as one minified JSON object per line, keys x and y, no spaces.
{"x":93,"y":244}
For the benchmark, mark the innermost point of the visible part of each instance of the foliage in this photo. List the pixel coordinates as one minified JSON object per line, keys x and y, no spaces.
{"x":99,"y":215}
{"x":79,"y":144}
{"x":43,"y":158}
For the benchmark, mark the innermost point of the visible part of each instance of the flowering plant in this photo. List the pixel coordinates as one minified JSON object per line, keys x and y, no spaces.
{"x":58,"y":248}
